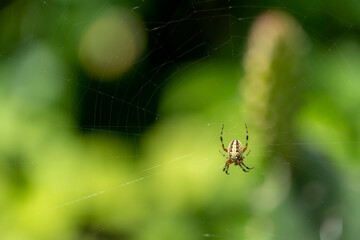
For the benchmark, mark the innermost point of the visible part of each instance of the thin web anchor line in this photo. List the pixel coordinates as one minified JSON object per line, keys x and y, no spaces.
{"x":110,"y":189}
{"x":91,"y":195}
{"x":165,"y":163}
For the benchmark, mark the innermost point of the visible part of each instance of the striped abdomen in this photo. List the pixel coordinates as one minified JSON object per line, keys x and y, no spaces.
{"x":235,"y":149}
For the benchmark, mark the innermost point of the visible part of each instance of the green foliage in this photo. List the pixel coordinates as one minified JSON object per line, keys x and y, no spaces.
{"x":299,"y":100}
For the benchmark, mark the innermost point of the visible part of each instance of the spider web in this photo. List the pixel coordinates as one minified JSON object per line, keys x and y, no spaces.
{"x":105,"y":152}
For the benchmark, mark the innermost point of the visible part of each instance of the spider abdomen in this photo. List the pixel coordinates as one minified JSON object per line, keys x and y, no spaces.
{"x":235,"y":149}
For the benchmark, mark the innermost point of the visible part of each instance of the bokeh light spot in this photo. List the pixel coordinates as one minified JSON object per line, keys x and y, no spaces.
{"x":111,"y":44}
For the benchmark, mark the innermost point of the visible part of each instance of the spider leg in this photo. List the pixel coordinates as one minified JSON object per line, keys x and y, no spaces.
{"x":247,"y":154}
{"x":243,"y":168}
{"x":246,"y":166}
{"x":226,"y":167}
{"x":223,"y":154}
{"x":244,"y":158}
{"x":227,"y":164}
{"x":221,"y":139}
{"x":247,"y":138}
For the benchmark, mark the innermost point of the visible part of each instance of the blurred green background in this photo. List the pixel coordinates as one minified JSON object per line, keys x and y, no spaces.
{"x":111,"y":111}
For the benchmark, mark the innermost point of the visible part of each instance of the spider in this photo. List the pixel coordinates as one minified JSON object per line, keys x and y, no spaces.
{"x":235,"y":152}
